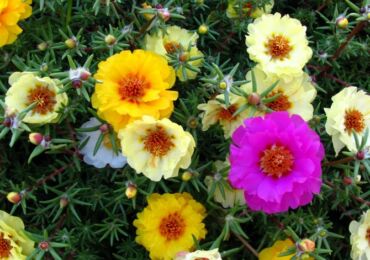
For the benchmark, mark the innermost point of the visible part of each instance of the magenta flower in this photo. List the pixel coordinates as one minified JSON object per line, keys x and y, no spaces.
{"x":276,"y":160}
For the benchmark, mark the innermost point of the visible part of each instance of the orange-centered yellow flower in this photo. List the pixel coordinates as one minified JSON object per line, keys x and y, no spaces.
{"x":169,"y":222}
{"x":131,"y":85}
{"x":11,"y":12}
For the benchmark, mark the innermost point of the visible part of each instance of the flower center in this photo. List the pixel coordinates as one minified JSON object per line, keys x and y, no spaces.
{"x":281,"y":103}
{"x":276,"y":161}
{"x":132,"y":88}
{"x":354,"y":121}
{"x":171,"y":47}
{"x":5,"y":247}
{"x":278,"y":47}
{"x":44,"y":99}
{"x":368,"y":235}
{"x":158,"y":142}
{"x":227,"y":113}
{"x":172,"y":226}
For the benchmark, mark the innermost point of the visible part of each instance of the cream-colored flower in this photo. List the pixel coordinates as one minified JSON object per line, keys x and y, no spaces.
{"x":27,"y":88}
{"x":295,"y":96}
{"x":217,"y":112}
{"x":199,"y":254}
{"x":230,"y":196}
{"x":178,"y":40}
{"x":156,"y":148}
{"x":14,"y":244}
{"x":279,"y":45}
{"x":348,"y":114}
{"x":247,"y":9}
{"x":360,"y":237}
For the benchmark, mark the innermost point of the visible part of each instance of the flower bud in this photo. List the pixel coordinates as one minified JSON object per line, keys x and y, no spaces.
{"x":131,"y":191}
{"x":203,"y":29}
{"x":147,"y":17}
{"x":184,"y":56}
{"x":76,"y":83}
{"x":223,"y":85}
{"x":186,"y":176}
{"x":7,"y":122}
{"x":44,"y":67}
{"x":63,"y":202}
{"x":254,"y":99}
{"x":192,"y":122}
{"x":347,"y":181}
{"x":164,"y":14}
{"x":104,"y":128}
{"x":85,"y":75}
{"x":360,"y":155}
{"x":70,"y":43}
{"x":35,"y":138}
{"x":305,"y":257}
{"x":42,"y":46}
{"x":44,"y":245}
{"x":307,"y":245}
{"x":342,"y":22}
{"x":14,"y":197}
{"x":110,"y":39}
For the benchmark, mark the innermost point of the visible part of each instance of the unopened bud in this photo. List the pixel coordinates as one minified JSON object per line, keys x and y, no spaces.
{"x":44,"y":67}
{"x":14,"y":197}
{"x":347,"y":181}
{"x":360,"y":155}
{"x":35,"y":138}
{"x":186,"y":176}
{"x":192,"y":122}
{"x":42,"y":46}
{"x":70,"y":43}
{"x":203,"y":29}
{"x":44,"y":245}
{"x":131,"y":191}
{"x":85,"y":75}
{"x":63,"y":202}
{"x":165,"y":14}
{"x":323,"y":233}
{"x":307,"y":245}
{"x":305,"y":257}
{"x":223,"y":85}
{"x":254,"y":99}
{"x":7,"y":122}
{"x":104,"y":128}
{"x":147,"y":17}
{"x":342,"y":22}
{"x":76,"y":83}
{"x":110,"y":39}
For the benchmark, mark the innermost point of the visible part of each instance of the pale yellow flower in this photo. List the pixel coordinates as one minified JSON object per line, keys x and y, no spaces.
{"x":295,"y":96}
{"x":279,"y":45}
{"x":27,"y":88}
{"x":217,"y":112}
{"x":156,"y":148}
{"x":360,"y":237}
{"x":348,"y":114}
{"x":15,"y":245}
{"x":199,"y":254}
{"x":176,"y":39}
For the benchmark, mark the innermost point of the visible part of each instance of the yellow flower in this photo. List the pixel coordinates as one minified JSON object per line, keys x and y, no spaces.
{"x":14,"y":244}
{"x":360,"y":237}
{"x":348,"y":114}
{"x":176,"y":40}
{"x":131,"y":85}
{"x":166,"y":226}
{"x":247,"y":9}
{"x":295,"y":97}
{"x":199,"y":255}
{"x":272,"y":253}
{"x":230,"y":196}
{"x":27,"y":88}
{"x":11,"y":12}
{"x":156,"y":148}
{"x":279,"y":45}
{"x":217,"y":112}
